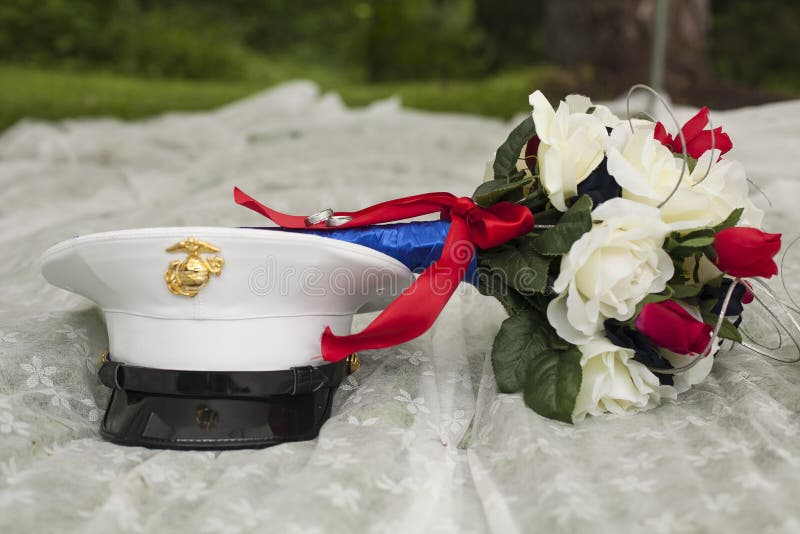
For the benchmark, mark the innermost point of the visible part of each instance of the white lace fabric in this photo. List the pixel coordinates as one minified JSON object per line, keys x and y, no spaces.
{"x":419,"y":440}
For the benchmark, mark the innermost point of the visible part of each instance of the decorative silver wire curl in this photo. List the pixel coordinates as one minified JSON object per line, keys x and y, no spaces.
{"x":783,"y":280}
{"x":660,"y":98}
{"x":763,"y":194}
{"x":786,"y":311}
{"x":684,"y":151}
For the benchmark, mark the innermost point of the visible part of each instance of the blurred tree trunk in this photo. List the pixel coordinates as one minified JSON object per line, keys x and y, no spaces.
{"x":614,"y":39}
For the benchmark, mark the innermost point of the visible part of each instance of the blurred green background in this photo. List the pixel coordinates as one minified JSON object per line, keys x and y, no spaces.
{"x":132,"y":58}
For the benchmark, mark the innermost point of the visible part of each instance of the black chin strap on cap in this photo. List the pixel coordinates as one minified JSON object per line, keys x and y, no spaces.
{"x":166,"y":408}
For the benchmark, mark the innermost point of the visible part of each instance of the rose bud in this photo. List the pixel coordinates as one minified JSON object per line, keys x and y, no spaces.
{"x":745,"y":252}
{"x":698,"y":140}
{"x":670,"y":326}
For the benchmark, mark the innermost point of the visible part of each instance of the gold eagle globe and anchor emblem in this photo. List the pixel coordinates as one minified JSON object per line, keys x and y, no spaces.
{"x":189,"y":276}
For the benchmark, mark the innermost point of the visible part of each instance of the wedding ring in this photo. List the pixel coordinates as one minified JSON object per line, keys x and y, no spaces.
{"x":318,"y":217}
{"x":338,"y":220}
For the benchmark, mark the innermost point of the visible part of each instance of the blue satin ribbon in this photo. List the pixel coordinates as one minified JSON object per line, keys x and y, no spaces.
{"x":414,"y":244}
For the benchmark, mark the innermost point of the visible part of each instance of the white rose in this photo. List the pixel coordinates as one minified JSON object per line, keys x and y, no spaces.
{"x":726,"y":189}
{"x":609,"y":270}
{"x":614,"y":382}
{"x":685,"y":380}
{"x":572,"y":145}
{"x":647,"y":171}
{"x":582,"y":104}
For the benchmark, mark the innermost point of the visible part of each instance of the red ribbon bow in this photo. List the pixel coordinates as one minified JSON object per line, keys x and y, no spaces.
{"x":414,"y":311}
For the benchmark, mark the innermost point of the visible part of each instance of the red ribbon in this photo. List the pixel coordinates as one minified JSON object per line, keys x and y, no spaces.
{"x":414,"y":311}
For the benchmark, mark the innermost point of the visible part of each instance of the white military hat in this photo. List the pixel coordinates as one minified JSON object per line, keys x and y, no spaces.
{"x":214,"y":333}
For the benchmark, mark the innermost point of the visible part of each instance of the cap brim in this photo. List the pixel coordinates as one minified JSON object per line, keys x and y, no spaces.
{"x":165,"y":421}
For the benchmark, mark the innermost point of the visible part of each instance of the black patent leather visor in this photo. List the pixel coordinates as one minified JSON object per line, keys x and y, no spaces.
{"x":206,"y":414}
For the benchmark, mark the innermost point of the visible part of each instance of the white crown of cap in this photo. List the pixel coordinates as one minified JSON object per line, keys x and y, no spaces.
{"x":275,"y":294}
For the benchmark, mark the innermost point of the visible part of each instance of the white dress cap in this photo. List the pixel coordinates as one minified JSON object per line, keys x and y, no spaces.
{"x":223,"y":299}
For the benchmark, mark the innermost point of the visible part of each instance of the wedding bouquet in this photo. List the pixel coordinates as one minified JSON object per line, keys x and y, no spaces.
{"x":620,"y":252}
{"x":634,"y":269}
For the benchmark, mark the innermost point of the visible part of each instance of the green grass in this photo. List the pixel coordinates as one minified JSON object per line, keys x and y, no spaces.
{"x":46,"y":94}
{"x":56,"y":94}
{"x":502,"y":95}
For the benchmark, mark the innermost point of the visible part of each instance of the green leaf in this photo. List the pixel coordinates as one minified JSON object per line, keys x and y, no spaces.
{"x":726,"y":331}
{"x":505,"y":159}
{"x":513,"y":301}
{"x":731,"y":221}
{"x":684,"y":245}
{"x":518,"y":263}
{"x":536,"y":201}
{"x":494,"y":191}
{"x":520,"y":338}
{"x":702,"y":232}
{"x":575,"y":222}
{"x":729,"y":331}
{"x":553,"y":383}
{"x":547,"y":216}
{"x":698,"y":242}
{"x":706,"y":306}
{"x":539,"y":302}
{"x":685,"y":291}
{"x":693,"y":240}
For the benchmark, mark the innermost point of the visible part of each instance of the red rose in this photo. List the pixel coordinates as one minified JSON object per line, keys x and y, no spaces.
{"x":747,"y":252}
{"x":698,"y":140}
{"x":669,"y":326}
